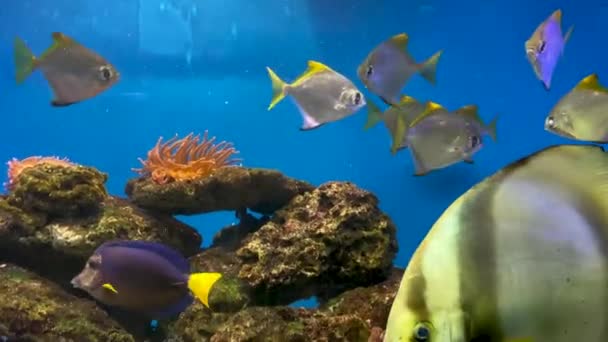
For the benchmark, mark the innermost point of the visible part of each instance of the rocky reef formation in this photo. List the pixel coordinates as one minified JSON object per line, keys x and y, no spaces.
{"x":330,"y":241}
{"x":35,"y":309}
{"x":228,"y":188}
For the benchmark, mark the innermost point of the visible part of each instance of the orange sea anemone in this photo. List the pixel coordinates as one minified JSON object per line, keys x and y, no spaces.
{"x":15,"y":167}
{"x":185,"y":159}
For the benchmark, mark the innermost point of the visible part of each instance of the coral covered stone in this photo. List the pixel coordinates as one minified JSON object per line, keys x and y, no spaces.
{"x":55,"y":187}
{"x":35,"y":309}
{"x":321,"y":243}
{"x":59,"y":247}
{"x":227,"y":188}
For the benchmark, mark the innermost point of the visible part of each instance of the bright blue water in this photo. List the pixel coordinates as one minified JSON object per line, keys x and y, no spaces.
{"x":483,"y":63}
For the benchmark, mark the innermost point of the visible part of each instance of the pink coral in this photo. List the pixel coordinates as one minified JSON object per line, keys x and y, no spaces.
{"x":15,"y":167}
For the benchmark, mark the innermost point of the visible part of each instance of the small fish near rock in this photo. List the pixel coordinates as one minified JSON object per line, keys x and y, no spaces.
{"x":321,"y":94}
{"x":546,"y":46}
{"x":581,"y":113}
{"x":144,"y":277}
{"x":389,"y":66}
{"x":74,"y":72}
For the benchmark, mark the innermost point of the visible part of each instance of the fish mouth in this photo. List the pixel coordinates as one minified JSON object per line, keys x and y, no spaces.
{"x":75,"y":282}
{"x":560,"y":132}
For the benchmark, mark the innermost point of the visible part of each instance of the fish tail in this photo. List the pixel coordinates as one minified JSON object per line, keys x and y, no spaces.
{"x":201,"y":283}
{"x":278,"y":88}
{"x":374,"y":115}
{"x":400,"y":133}
{"x":25,"y":62}
{"x":428,"y":69}
{"x":491,"y":128}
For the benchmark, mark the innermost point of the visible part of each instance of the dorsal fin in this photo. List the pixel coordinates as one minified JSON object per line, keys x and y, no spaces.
{"x":313,"y":68}
{"x":169,"y":254}
{"x":431,"y":109}
{"x":399,"y":41}
{"x":405,"y":99}
{"x":62,"y":39}
{"x":469,"y":111}
{"x":591,"y":82}
{"x":557,"y":16}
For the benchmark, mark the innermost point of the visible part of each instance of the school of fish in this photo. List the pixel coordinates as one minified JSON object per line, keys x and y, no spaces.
{"x":521,"y":256}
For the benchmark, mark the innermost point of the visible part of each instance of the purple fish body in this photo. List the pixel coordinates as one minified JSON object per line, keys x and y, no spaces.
{"x":545,"y":47}
{"x":146,"y":277}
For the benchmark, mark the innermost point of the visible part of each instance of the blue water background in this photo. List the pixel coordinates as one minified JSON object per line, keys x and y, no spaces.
{"x":227,"y":92}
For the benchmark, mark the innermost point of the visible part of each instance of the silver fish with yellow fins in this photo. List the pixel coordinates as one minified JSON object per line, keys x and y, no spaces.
{"x":521,"y":256}
{"x":581,"y":114}
{"x":389,"y":66}
{"x":145,"y":277}
{"x":545,"y":47}
{"x":321,"y":94}
{"x":74,"y":72}
{"x":438,"y":138}
{"x":409,"y":108}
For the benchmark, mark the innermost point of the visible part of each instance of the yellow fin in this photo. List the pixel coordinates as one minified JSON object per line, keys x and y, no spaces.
{"x":428,"y":69}
{"x":278,"y":88}
{"x":399,"y":41}
{"x":25,"y":62}
{"x":62,"y":39}
{"x":400,"y":132}
{"x":470,"y":111}
{"x":431,"y":108}
{"x":109,"y":287}
{"x":374,"y":115}
{"x":591,"y":82}
{"x":201,"y":283}
{"x":405,"y":99}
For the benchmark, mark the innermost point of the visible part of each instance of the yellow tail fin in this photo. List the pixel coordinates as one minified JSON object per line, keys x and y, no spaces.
{"x":201,"y":283}
{"x":428,"y":70}
{"x":374,"y":115}
{"x":24,"y":60}
{"x":278,"y":88}
{"x":491,"y":128}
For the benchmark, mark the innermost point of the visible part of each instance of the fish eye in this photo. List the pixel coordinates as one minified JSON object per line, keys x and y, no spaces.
{"x":473,"y":141}
{"x":93,"y":264}
{"x":550,"y":121}
{"x":357,"y":98}
{"x":370,"y":70}
{"x":105,"y":73}
{"x":422,"y":333}
{"x":541,"y":47}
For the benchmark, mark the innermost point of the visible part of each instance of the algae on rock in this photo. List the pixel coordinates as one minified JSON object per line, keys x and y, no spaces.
{"x":59,"y":191}
{"x":35,"y":309}
{"x":66,"y":243}
{"x":321,"y":243}
{"x":228,"y":188}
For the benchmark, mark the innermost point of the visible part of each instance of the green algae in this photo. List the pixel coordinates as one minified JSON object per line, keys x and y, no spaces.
{"x":62,"y":191}
{"x":32,"y":308}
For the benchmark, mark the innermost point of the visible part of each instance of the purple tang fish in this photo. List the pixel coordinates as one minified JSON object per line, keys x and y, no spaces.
{"x":545,"y":47}
{"x":145,"y":277}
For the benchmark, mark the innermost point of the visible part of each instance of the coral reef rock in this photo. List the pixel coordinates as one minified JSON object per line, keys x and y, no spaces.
{"x":34,"y":309}
{"x":279,"y":323}
{"x":58,"y":248}
{"x":227,"y":188}
{"x":372,"y":304}
{"x":59,"y":191}
{"x":323,"y":242}
{"x":290,"y":324}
